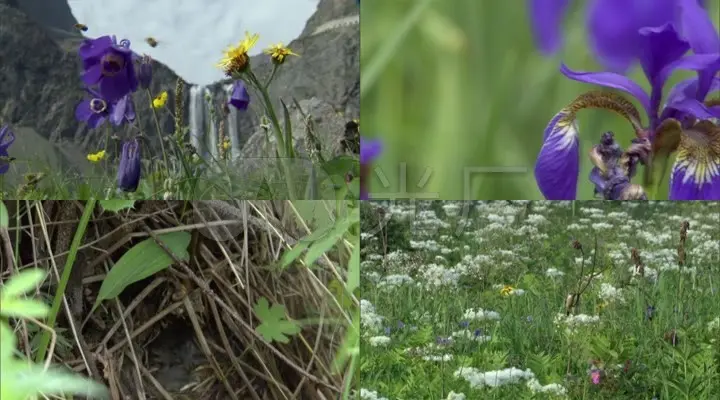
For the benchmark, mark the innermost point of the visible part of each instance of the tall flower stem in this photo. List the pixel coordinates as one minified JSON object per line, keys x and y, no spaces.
{"x":283,"y":150}
{"x":270,"y":78}
{"x":159,"y":131}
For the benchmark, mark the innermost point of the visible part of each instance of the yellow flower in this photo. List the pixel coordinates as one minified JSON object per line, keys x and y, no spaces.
{"x":160,"y":100}
{"x":278,"y":52}
{"x":506,"y":290}
{"x":601,"y":306}
{"x":97,"y":157}
{"x":236,"y":59}
{"x":226,"y":144}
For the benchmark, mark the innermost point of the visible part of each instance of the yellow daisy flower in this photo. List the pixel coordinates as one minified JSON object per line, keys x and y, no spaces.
{"x":506,"y":290}
{"x":278,"y":52}
{"x":96,"y":157}
{"x":160,"y":100}
{"x":236,"y":59}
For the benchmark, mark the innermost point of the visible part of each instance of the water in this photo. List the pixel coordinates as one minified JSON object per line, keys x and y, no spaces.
{"x":197,"y":118}
{"x":231,"y":124}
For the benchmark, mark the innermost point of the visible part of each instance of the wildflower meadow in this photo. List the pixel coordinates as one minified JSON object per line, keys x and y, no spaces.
{"x":540,"y":300}
{"x":113,"y":76}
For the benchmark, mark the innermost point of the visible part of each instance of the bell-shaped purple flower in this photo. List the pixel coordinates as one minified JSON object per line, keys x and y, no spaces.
{"x":370,"y":149}
{"x":95,"y":110}
{"x":7,"y":137}
{"x":240,"y":97}
{"x":145,"y":72}
{"x":109,"y":65}
{"x":128,"y":176}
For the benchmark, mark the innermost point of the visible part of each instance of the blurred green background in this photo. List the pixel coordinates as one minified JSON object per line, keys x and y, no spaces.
{"x":452,"y":85}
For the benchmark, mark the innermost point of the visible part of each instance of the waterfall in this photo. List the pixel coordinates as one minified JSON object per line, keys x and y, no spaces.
{"x":197,"y":119}
{"x":212,"y":141}
{"x":232,"y":129}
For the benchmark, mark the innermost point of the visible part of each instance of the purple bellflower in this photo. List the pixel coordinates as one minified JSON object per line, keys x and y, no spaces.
{"x":7,"y":137}
{"x":95,"y":110}
{"x":128,"y":176}
{"x":240,"y":97}
{"x":109,"y":65}
{"x":370,"y":149}
{"x":144,"y":73}
{"x":684,"y":124}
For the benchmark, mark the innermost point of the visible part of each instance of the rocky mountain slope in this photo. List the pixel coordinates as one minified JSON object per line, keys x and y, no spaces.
{"x":40,"y":85}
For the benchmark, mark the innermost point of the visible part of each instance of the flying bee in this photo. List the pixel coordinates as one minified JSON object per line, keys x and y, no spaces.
{"x":151,"y":41}
{"x":81,"y":27}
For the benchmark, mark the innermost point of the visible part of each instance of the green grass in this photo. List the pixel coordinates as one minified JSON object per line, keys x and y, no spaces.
{"x":457,"y":84}
{"x":434,"y":261}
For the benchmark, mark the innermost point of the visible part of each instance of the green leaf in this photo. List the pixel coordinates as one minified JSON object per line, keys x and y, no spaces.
{"x":21,"y":381}
{"x":320,"y":247}
{"x":273,"y":325}
{"x":337,"y":169}
{"x":8,"y":341}
{"x":288,"y":132}
{"x":116,"y":205}
{"x":143,"y":260}
{"x":353,"y":280}
{"x":4,"y":218}
{"x":291,"y":255}
{"x":316,"y":214}
{"x":23,"y":308}
{"x":22,"y":283}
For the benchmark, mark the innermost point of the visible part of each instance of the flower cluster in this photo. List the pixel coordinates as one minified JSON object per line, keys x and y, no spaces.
{"x":658,"y":37}
{"x":111,"y":77}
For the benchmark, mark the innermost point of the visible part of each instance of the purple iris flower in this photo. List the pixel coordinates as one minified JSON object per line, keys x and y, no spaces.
{"x":109,"y":65}
{"x":128,"y":176}
{"x":613,"y":26}
{"x":240,"y":97}
{"x":370,"y":149}
{"x":95,"y":110}
{"x":7,"y":137}
{"x":683,"y":124}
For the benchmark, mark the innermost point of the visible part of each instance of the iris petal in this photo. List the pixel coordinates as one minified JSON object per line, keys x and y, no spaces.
{"x":611,"y":80}
{"x":696,"y":173}
{"x":558,"y":164}
{"x":546,"y":18}
{"x":614,"y":28}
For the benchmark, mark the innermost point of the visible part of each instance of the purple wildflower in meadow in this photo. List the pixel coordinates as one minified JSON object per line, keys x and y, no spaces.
{"x":128,"y":176}
{"x":657,"y":35}
{"x":95,"y":110}
{"x":109,"y":65}
{"x":240,"y":97}
{"x":7,"y":137}
{"x":370,"y":149}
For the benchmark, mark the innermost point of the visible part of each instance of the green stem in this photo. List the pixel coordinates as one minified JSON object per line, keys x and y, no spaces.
{"x":270,"y":78}
{"x":60,"y":292}
{"x":278,"y":134}
{"x":159,"y":131}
